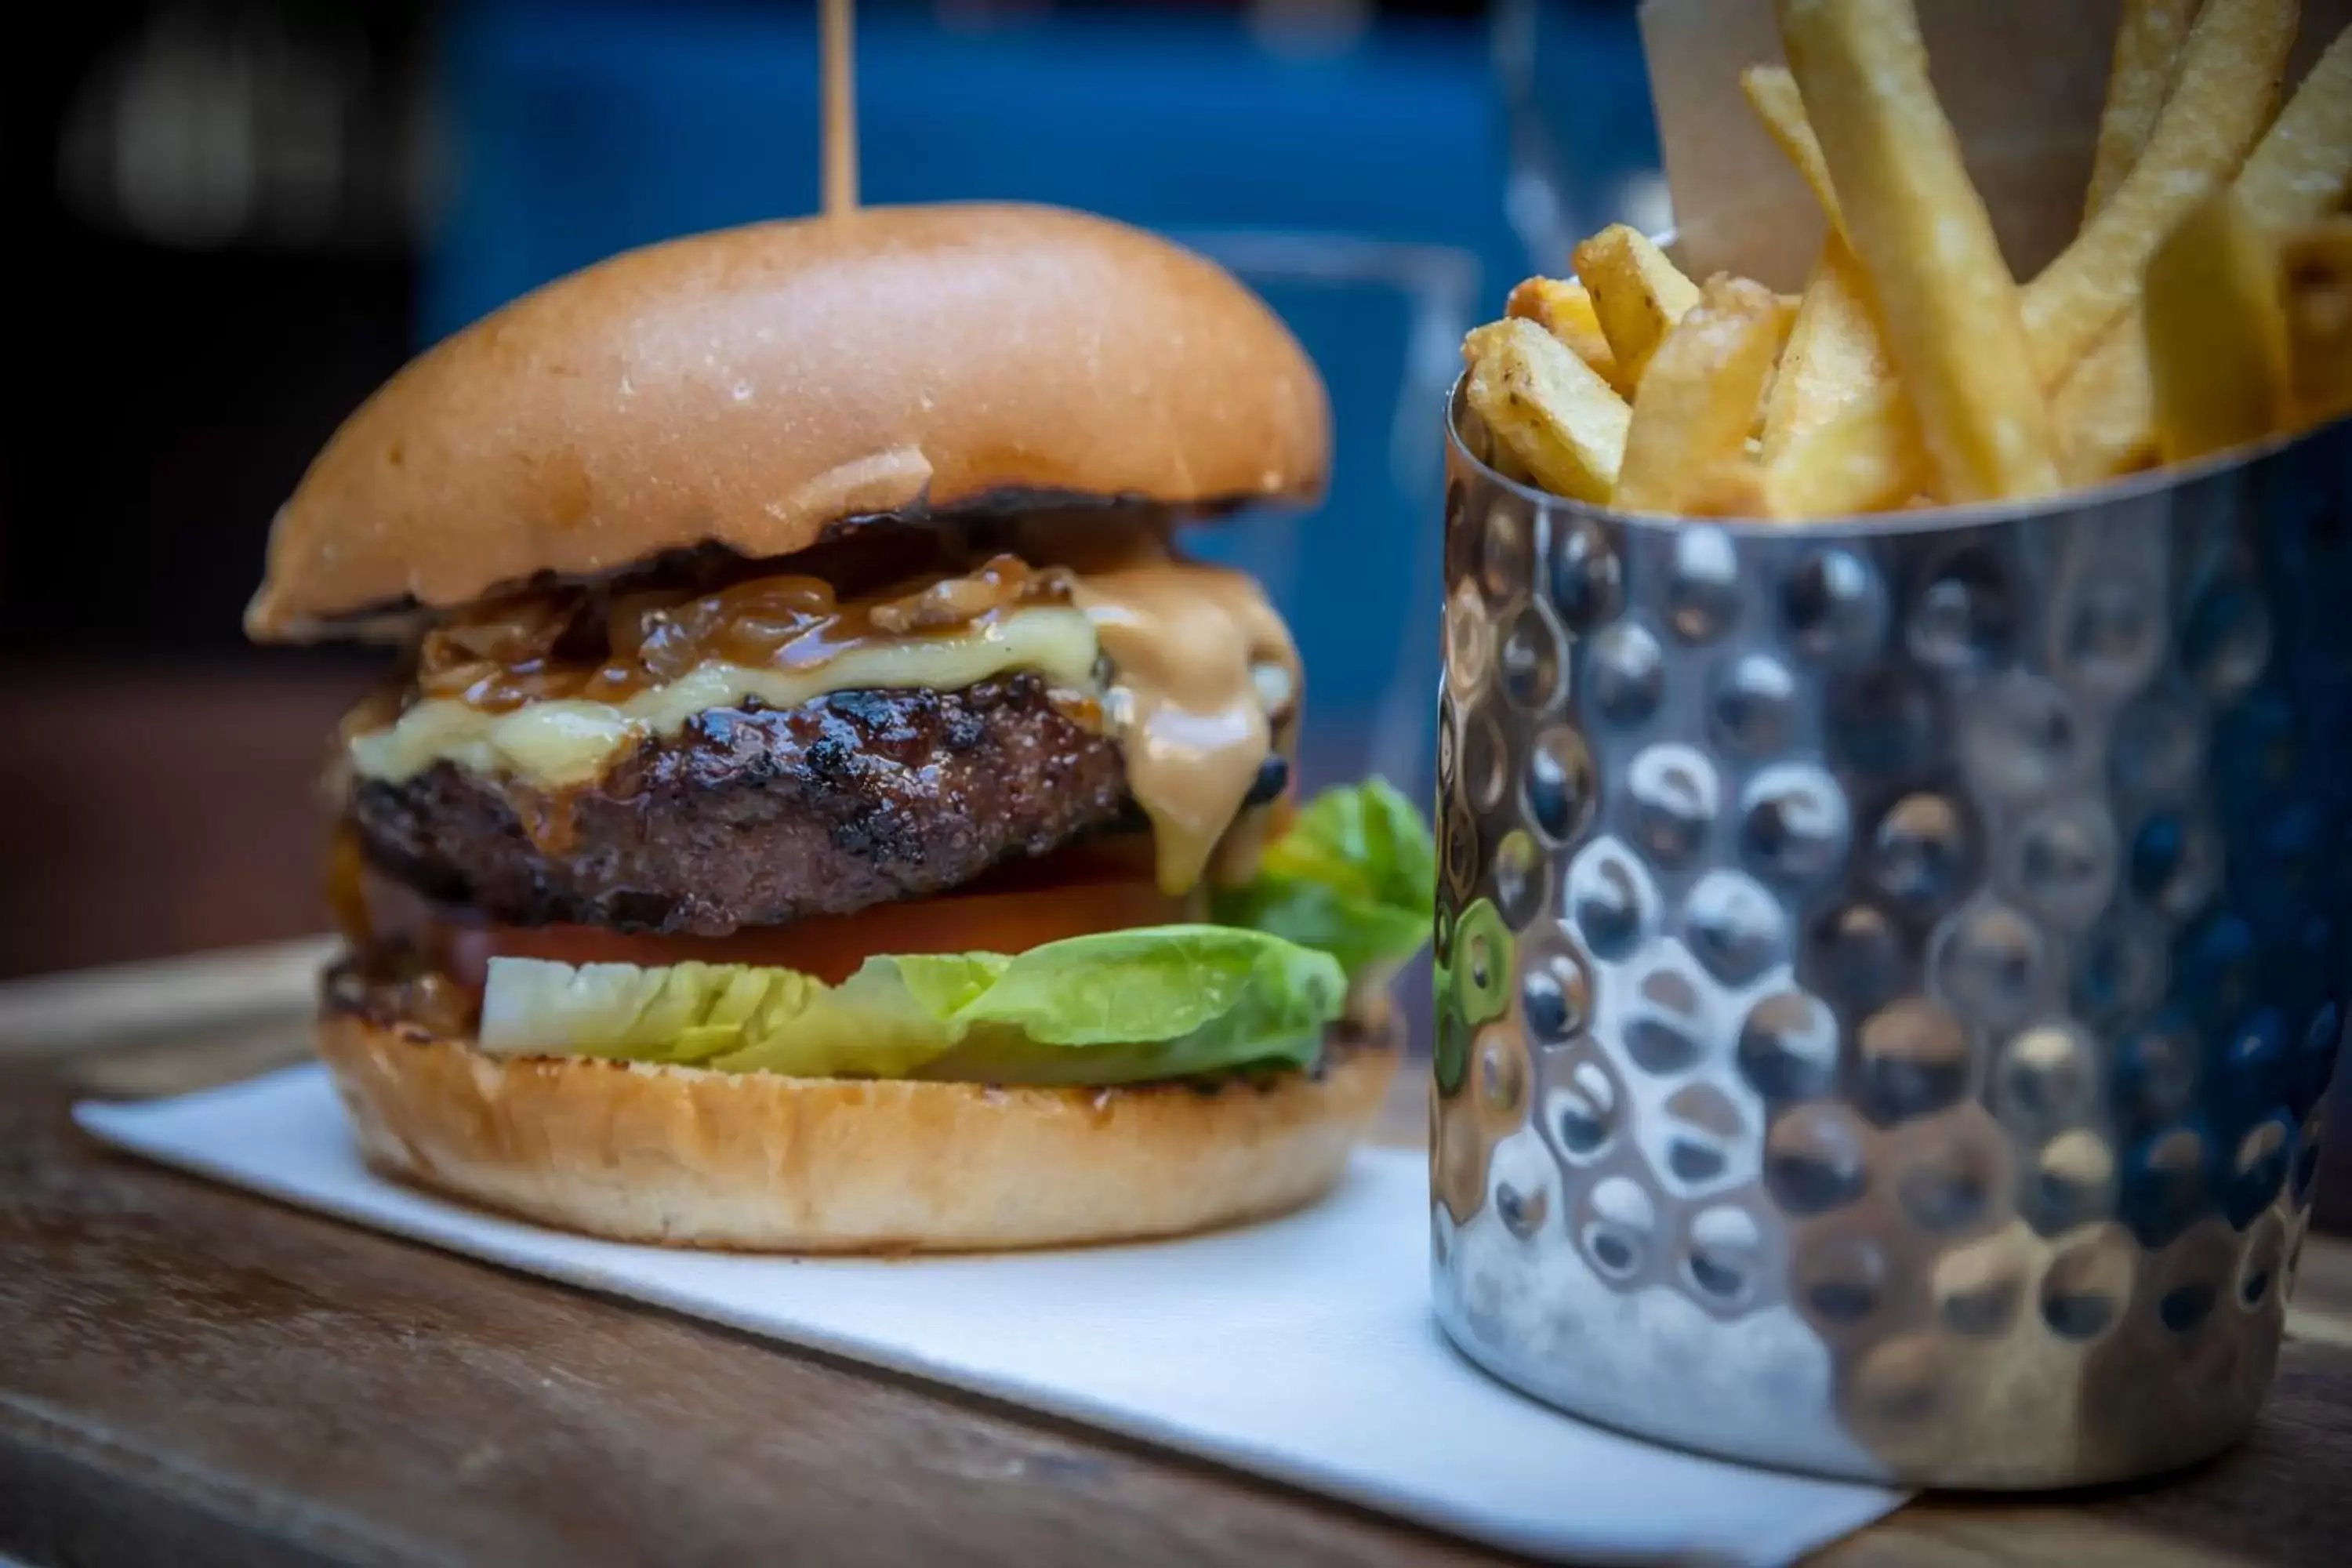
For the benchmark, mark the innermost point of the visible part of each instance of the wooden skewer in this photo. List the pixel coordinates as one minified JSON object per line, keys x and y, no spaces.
{"x":840,"y":110}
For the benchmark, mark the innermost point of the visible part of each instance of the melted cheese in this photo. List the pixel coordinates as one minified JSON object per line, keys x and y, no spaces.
{"x":1202,"y":688}
{"x":561,"y":744}
{"x":1198,"y":657}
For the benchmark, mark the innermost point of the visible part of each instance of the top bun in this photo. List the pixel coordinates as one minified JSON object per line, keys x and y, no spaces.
{"x":752,"y":387}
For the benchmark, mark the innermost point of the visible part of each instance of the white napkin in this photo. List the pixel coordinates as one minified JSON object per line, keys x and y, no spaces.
{"x":1301,"y":1350}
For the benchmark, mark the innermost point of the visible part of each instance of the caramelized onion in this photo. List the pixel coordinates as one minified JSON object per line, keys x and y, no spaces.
{"x":518,"y":650}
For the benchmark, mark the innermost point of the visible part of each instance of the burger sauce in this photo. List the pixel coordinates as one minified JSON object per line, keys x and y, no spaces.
{"x":1200,"y":677}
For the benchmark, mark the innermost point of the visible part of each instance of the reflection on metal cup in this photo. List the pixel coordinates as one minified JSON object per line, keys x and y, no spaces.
{"x":1890,"y":972}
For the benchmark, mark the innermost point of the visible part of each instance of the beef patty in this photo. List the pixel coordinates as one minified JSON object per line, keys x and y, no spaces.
{"x":754,"y":816}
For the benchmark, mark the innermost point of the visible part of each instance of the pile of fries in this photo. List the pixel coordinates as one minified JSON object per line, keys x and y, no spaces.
{"x":2205,"y":303}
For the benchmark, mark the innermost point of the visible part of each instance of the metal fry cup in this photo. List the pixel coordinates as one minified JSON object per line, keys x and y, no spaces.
{"x":1889,"y":972}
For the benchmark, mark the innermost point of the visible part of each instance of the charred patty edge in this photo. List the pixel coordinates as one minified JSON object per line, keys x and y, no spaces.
{"x":753,"y":815}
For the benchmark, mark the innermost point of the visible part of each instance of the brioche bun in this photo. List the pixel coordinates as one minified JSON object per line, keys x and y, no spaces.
{"x":759,"y":1162}
{"x":756,"y":387}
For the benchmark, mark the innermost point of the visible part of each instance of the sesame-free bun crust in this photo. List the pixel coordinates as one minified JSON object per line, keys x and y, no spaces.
{"x":759,"y":1162}
{"x":750,"y":388}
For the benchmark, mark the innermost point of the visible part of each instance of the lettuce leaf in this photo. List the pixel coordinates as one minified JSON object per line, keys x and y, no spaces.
{"x":874,"y":1025}
{"x":1340,"y":900}
{"x":1133,"y":1005}
{"x":1356,"y":876}
{"x":1116,"y":1007}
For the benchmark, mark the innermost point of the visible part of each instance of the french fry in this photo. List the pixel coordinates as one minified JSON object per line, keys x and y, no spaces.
{"x":1834,"y":354}
{"x":1732,"y":489}
{"x":2206,"y":304}
{"x":2302,"y":169}
{"x":1564,"y":308}
{"x":1946,"y":300}
{"x":1863,"y":457}
{"x":2148,"y":54}
{"x":1638,"y":294}
{"x":2317,"y":269}
{"x":1839,"y":439}
{"x":1699,"y":399}
{"x":1507,"y":463}
{"x":1548,"y":408}
{"x":2106,"y":410}
{"x":1790,"y":305}
{"x":2217,"y":333}
{"x":1772,"y":93}
{"x":2230,"y":73}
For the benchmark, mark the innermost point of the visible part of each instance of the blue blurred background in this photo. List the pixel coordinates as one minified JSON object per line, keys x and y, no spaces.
{"x":244,"y":215}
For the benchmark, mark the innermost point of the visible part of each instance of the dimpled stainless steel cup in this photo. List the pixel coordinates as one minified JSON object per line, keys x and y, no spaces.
{"x":1889,"y":973}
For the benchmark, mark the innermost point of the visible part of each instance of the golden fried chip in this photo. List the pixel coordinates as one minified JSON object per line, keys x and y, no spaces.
{"x":2147,"y":55}
{"x":1699,"y":399}
{"x":1833,"y":351}
{"x":1946,"y":300}
{"x":1865,"y":456}
{"x":2230,"y":72}
{"x":1833,"y":355}
{"x":1638,"y":294}
{"x":1735,"y":489}
{"x":2217,"y":334}
{"x":1773,"y":94}
{"x":1548,"y":408}
{"x":2302,"y":169}
{"x":2317,"y":275}
{"x":1563,"y":308}
{"x":2106,"y":410}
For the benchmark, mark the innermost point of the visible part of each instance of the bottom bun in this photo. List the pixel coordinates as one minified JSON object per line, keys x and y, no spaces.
{"x":689,"y":1157}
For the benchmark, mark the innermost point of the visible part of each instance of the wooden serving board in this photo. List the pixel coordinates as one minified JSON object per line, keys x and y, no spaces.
{"x":191,"y":1375}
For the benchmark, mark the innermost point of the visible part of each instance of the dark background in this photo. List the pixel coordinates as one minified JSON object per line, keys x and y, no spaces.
{"x":204,"y":287}
{"x":232,"y":220}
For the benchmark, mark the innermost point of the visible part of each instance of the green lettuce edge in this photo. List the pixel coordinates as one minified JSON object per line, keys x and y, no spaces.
{"x":1341,"y":901}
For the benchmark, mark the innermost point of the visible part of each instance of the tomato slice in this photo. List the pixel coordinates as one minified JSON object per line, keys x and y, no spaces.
{"x":1075,"y":892}
{"x":831,"y":948}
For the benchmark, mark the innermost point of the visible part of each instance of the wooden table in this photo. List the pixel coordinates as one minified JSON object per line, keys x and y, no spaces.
{"x":193,"y":1376}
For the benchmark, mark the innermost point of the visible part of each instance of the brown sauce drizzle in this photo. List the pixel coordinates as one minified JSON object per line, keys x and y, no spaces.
{"x":1202,"y":682}
{"x":576,"y":643}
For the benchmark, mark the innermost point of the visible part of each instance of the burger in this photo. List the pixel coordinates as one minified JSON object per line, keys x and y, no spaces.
{"x":817,"y":805}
